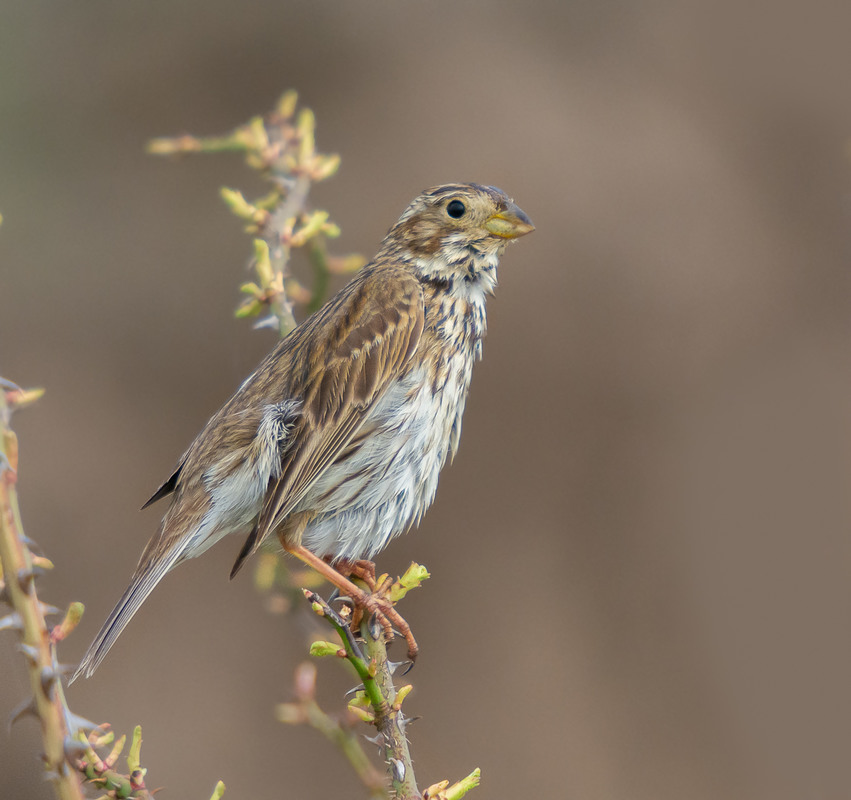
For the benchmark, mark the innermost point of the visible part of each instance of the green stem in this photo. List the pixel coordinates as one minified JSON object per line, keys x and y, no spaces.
{"x":353,"y":653}
{"x":388,"y":717}
{"x":376,"y":674}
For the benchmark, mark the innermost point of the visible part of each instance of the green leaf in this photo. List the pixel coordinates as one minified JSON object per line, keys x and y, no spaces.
{"x":135,"y":749}
{"x":458,"y":790}
{"x":250,"y":309}
{"x":287,"y":103}
{"x":323,"y":648}
{"x":412,"y":579}
{"x":262,"y":263}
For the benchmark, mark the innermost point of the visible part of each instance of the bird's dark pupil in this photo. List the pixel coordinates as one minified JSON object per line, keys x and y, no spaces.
{"x":456,"y":209}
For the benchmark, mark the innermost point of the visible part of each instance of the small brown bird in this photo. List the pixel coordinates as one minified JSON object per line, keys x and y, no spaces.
{"x":335,"y":442}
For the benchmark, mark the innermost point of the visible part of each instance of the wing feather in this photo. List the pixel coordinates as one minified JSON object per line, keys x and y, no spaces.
{"x":167,"y":488}
{"x":362,"y":346}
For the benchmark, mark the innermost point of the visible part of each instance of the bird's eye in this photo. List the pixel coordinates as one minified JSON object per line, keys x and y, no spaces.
{"x":456,"y":209}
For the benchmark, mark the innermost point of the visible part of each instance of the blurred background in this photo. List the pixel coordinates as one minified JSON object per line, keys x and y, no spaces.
{"x":640,"y":558}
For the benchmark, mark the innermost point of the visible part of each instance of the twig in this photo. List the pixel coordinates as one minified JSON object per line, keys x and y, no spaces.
{"x":389,"y":719}
{"x":282,"y":147}
{"x":376,"y":674}
{"x":339,"y":732}
{"x":380,"y":702}
{"x":69,"y":753}
{"x":19,"y":569}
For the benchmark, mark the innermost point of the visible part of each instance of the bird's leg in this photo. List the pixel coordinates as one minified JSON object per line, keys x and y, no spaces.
{"x":376,"y":604}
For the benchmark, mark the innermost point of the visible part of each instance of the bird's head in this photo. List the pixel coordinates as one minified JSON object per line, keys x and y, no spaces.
{"x":456,"y":231}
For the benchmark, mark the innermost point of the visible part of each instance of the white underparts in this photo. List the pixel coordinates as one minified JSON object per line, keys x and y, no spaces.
{"x":387,"y":485}
{"x":389,"y":481}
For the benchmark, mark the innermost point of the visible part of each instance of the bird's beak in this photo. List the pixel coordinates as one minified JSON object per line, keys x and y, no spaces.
{"x":510,"y":223}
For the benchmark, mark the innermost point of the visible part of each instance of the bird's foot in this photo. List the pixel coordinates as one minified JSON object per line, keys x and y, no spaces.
{"x":375,"y":601}
{"x":388,"y":617}
{"x":362,"y":569}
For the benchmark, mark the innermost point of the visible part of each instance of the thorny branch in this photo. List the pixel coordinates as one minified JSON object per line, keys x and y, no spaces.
{"x":20,"y":567}
{"x":377,"y":703}
{"x":69,"y":740}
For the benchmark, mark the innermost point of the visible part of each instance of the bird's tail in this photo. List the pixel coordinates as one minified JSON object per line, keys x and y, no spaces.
{"x":146,"y":577}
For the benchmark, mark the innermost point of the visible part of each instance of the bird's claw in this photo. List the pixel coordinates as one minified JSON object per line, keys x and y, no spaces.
{"x":383,"y":614}
{"x":388,"y":617}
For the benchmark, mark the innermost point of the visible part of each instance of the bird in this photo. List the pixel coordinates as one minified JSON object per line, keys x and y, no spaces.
{"x":335,"y":442}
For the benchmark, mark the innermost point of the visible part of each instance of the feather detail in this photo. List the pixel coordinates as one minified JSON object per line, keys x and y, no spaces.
{"x":145,"y":579}
{"x":376,"y":331}
{"x":166,"y":489}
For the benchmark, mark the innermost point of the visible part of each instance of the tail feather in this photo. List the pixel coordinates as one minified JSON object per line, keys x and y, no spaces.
{"x":147,"y":576}
{"x":250,"y":545}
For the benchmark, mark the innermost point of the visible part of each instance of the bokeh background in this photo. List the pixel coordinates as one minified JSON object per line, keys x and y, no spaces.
{"x":641,"y":556}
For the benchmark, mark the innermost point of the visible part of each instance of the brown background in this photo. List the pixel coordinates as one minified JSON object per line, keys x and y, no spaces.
{"x":641,"y":559}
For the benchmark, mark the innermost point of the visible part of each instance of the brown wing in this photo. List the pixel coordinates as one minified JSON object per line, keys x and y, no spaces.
{"x":357,"y":350}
